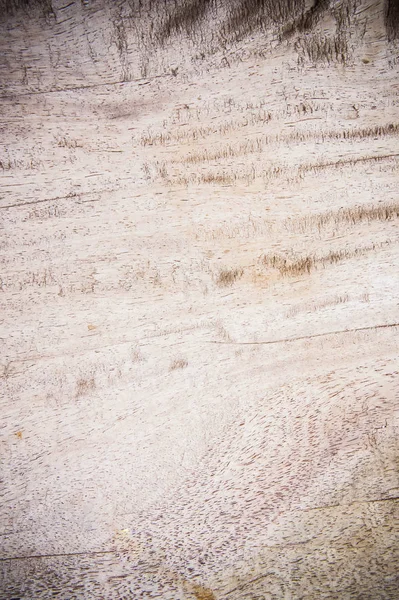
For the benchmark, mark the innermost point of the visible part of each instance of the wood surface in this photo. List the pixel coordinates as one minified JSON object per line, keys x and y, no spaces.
{"x":199,"y":317}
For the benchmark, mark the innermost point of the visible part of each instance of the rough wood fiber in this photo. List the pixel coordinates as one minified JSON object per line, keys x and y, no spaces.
{"x":199,"y":319}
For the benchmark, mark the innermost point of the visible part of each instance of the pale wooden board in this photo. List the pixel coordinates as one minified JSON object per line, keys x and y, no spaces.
{"x":164,"y":435}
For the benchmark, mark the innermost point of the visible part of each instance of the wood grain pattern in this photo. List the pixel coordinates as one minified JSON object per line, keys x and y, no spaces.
{"x":199,"y":319}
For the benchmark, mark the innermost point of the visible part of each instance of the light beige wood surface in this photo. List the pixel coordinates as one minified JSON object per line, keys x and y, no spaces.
{"x":199,"y":318}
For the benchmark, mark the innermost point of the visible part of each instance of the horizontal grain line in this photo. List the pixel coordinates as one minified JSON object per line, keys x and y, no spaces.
{"x":33,"y":556}
{"x":14,"y":95}
{"x":32,"y":202}
{"x":308,"y":337}
{"x":349,"y":161}
{"x":392,"y":498}
{"x":78,"y":195}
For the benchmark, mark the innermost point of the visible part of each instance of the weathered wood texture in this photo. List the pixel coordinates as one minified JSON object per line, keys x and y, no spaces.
{"x":199,"y":306}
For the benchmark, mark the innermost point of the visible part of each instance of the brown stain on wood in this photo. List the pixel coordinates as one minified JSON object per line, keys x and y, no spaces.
{"x":202,"y":593}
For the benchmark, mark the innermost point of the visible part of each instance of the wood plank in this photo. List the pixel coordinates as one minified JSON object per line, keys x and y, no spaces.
{"x":198,"y":305}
